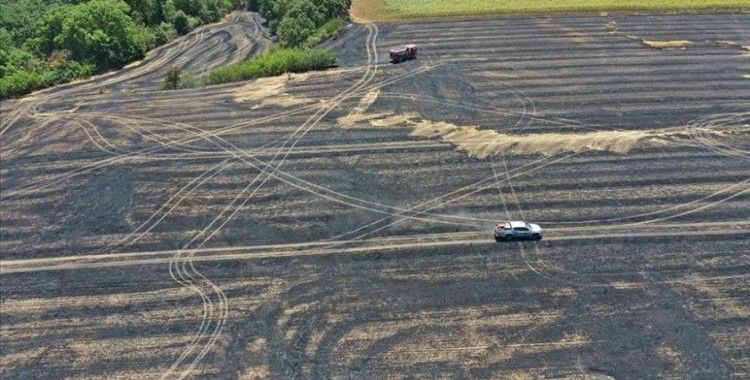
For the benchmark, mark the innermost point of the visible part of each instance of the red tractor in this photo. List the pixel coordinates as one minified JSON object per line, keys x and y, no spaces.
{"x":403,"y":54}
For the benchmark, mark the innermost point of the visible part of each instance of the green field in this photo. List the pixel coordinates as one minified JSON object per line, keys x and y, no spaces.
{"x":390,"y":9}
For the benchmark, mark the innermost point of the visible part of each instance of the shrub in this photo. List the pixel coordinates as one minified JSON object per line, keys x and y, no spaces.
{"x":172,"y":80}
{"x":163,"y":33}
{"x":177,"y":78}
{"x":69,"y":71}
{"x":24,"y":81}
{"x":12,"y":60}
{"x":193,"y":22}
{"x":189,"y":80}
{"x":147,"y":38}
{"x":274,"y":63}
{"x":20,"y":82}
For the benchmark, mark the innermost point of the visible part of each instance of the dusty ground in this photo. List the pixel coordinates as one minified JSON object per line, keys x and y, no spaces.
{"x":339,"y":225}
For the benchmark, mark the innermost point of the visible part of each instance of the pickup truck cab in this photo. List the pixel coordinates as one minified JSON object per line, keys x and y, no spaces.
{"x":518,"y":231}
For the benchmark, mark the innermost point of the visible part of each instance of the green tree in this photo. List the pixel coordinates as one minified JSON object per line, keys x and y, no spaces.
{"x":169,"y":9}
{"x":42,"y":42}
{"x":157,"y":13}
{"x":273,"y":11}
{"x":298,"y":23}
{"x":181,"y":22}
{"x":294,"y":30}
{"x":318,"y":11}
{"x":333,"y":8}
{"x":141,"y":10}
{"x":99,"y":31}
{"x":217,"y":8}
{"x":12,"y":59}
{"x":302,"y":8}
{"x":163,"y":32}
{"x":190,"y":7}
{"x":20,"y":17}
{"x":6,"y":40}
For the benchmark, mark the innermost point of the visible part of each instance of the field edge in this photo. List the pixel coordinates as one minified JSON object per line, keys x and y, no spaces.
{"x":375,"y":10}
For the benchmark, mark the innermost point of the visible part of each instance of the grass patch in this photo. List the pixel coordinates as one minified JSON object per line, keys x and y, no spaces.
{"x":326,"y":31}
{"x":394,"y":9}
{"x":273,"y":63}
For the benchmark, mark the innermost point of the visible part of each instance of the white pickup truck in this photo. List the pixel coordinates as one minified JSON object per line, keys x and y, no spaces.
{"x":517,"y":230}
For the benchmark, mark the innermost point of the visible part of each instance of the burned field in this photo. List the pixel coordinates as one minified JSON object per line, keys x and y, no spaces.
{"x":339,"y":223}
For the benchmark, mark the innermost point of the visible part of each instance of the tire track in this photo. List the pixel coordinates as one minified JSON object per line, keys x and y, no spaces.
{"x":392,"y":244}
{"x":222,"y":303}
{"x":17,"y":192}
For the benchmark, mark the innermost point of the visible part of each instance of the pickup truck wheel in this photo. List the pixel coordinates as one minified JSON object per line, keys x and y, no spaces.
{"x":508,"y":237}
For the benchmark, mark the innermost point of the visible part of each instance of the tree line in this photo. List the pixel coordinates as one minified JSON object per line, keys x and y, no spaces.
{"x":299,"y":26}
{"x":295,"y":21}
{"x":46,"y":42}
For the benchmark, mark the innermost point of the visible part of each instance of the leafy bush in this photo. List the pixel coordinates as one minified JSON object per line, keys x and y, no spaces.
{"x":172,"y":81}
{"x":21,"y":82}
{"x":163,"y":33}
{"x":274,"y":63}
{"x":71,"y":70}
{"x":189,"y":80}
{"x":24,"y":81}
{"x":181,"y":22}
{"x":177,"y":78}
{"x":12,"y":59}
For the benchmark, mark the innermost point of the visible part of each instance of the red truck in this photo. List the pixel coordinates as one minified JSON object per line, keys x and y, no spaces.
{"x":403,"y":54}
